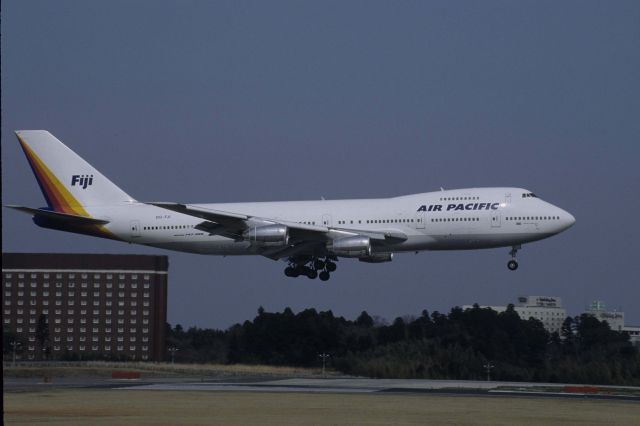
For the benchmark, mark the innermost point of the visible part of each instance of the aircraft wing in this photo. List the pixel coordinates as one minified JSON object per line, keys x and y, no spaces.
{"x":80,"y":220}
{"x":303,"y":237}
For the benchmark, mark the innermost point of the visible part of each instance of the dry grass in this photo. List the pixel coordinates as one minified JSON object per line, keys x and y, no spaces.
{"x":104,"y":369}
{"x":93,"y":406}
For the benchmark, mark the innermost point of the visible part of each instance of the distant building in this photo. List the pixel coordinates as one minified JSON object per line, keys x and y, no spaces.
{"x":615,"y":319}
{"x":599,"y":311}
{"x":96,"y":305}
{"x":546,"y":309}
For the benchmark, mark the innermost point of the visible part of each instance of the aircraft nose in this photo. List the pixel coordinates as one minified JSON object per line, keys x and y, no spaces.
{"x":567,"y":219}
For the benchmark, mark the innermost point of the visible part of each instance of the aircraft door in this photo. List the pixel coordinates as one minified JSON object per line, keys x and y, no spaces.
{"x":495,"y":220}
{"x":326,"y":219}
{"x":135,"y":228}
{"x":420,"y":219}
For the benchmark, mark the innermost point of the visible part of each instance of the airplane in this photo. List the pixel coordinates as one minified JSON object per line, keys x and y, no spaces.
{"x":309,"y":235}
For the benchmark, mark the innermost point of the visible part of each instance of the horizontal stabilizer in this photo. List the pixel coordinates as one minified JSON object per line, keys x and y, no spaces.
{"x":80,"y":220}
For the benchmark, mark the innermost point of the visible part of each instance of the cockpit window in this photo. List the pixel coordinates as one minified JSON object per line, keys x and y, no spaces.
{"x":529,"y":194}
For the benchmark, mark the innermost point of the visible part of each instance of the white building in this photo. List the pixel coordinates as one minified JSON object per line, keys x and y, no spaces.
{"x":546,"y":309}
{"x":615,"y":319}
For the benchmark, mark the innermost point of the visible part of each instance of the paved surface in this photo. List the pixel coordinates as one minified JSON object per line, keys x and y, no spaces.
{"x":306,"y":385}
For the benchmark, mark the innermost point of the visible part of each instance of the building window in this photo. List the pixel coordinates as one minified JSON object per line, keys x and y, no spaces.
{"x":71,"y":294}
{"x":120,"y":348}
{"x":146,"y":285}
{"x":83,"y":338}
{"x":82,"y":347}
{"x":94,"y":339}
{"x":94,"y":347}
{"x":107,"y":348}
{"x":132,"y":348}
{"x":83,"y":329}
{"x":95,"y":329}
{"x":134,"y":285}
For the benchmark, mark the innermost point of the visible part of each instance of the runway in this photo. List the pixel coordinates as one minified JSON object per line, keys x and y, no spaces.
{"x":361,"y":385}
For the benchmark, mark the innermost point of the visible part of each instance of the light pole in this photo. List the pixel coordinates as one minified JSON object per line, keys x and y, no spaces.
{"x":14,"y":347}
{"x":173,"y":351}
{"x":489,"y":366}
{"x":324,"y":357}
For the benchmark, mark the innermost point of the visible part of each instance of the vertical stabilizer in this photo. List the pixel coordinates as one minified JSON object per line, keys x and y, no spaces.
{"x":68,"y":182}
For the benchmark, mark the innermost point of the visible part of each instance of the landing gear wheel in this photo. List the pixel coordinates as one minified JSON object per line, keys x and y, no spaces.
{"x":289,"y":271}
{"x":331,"y":267}
{"x":324,"y":276}
{"x":318,"y":264}
{"x":312,"y":274}
{"x":512,"y":265}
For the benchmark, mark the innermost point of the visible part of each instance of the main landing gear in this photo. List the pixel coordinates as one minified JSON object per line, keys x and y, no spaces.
{"x":311,"y":267}
{"x":513,"y":263}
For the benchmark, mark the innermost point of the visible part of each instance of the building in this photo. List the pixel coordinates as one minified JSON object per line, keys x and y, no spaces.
{"x":94,"y":305}
{"x":615,"y":319}
{"x":547,"y":309}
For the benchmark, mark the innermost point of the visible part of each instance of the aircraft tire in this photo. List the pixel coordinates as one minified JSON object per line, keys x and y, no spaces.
{"x":331,"y":267}
{"x":318,"y":264}
{"x":512,"y":265}
{"x":324,"y":276}
{"x":312,"y":274}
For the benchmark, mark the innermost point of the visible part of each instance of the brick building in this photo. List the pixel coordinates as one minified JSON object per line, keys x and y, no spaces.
{"x":95,"y":305}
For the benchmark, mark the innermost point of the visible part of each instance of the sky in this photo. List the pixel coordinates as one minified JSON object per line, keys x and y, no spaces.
{"x":224,"y":101}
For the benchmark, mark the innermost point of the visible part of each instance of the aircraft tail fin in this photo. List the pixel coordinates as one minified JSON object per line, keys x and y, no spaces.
{"x":68,"y":182}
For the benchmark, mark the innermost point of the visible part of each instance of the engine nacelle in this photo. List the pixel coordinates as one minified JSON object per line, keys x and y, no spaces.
{"x":350,"y":246}
{"x":377,"y":258}
{"x":269,"y":235}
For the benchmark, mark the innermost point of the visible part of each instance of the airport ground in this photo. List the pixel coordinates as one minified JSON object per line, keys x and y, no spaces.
{"x":240,"y":395}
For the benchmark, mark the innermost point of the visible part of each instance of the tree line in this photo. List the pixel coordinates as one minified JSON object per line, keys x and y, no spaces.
{"x":457,"y":345}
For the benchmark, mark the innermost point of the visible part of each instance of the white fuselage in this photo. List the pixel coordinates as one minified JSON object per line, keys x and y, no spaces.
{"x":444,"y":220}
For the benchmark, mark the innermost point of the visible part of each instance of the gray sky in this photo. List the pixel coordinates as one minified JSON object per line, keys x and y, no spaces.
{"x":197,"y":101}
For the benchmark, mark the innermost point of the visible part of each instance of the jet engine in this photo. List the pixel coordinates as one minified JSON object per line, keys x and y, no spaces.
{"x":356,"y":246}
{"x":377,"y":258}
{"x":269,"y":235}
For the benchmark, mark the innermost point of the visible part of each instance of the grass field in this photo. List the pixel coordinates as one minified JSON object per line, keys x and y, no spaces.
{"x":114,"y":406}
{"x":149,"y":369}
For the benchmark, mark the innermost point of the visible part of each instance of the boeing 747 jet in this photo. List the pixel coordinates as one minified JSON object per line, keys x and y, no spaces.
{"x":309,"y":235}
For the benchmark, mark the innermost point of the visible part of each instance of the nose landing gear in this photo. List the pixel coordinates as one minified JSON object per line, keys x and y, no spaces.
{"x":513,"y":263}
{"x":311,"y":267}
